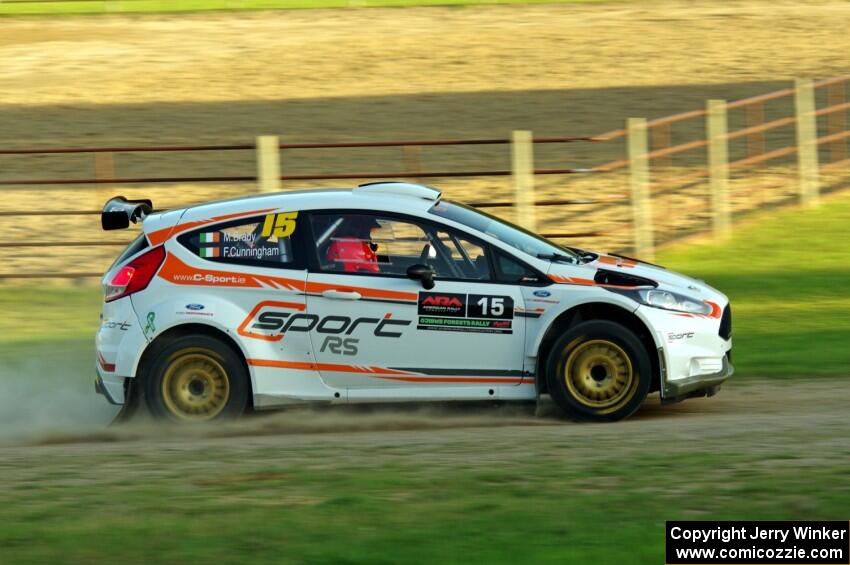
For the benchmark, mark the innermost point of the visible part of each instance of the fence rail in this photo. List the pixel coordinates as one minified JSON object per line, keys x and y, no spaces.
{"x":650,"y":163}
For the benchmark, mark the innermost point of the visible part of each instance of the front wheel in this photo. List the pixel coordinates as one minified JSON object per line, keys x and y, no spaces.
{"x":196,"y":378}
{"x":598,"y":371}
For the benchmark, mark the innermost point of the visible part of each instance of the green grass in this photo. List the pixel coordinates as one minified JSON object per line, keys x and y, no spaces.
{"x":788,"y":277}
{"x":46,"y":314}
{"x":72,"y":7}
{"x":384,"y":503}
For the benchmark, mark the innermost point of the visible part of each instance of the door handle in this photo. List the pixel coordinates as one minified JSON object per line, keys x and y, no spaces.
{"x":340,"y":295}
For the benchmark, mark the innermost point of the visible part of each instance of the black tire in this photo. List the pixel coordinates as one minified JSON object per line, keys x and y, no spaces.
{"x":194,"y":379}
{"x":609,"y":372}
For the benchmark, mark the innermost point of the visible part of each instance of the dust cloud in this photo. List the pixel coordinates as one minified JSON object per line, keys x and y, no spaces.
{"x":43,"y":401}
{"x":40,"y":395}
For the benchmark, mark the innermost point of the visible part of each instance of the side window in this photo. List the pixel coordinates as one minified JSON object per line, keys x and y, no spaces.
{"x":510,"y":270}
{"x":366,"y":243}
{"x":261,"y":241}
{"x":469,"y":258}
{"x":377,"y":244}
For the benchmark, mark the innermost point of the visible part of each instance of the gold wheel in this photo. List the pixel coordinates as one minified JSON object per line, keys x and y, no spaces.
{"x":195,"y":386}
{"x":599,"y":374}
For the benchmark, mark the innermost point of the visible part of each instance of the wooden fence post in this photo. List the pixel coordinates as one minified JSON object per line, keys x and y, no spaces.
{"x":522,"y":161}
{"x":268,"y":163}
{"x":718,"y":167}
{"x":641,"y":206}
{"x":807,"y":148}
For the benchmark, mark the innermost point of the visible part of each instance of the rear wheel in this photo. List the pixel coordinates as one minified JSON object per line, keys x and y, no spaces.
{"x":196,"y":378}
{"x":598,"y":371}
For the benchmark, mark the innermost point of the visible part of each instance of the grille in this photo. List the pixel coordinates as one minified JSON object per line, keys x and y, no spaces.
{"x":726,"y":323}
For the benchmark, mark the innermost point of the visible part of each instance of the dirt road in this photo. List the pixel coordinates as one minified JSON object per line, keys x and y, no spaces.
{"x":427,"y":486}
{"x":803,"y":416}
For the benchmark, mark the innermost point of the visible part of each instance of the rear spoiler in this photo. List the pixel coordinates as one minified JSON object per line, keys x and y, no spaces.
{"x":118,"y":212}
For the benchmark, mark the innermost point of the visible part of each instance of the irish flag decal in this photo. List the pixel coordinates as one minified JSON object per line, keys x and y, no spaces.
{"x":211,"y":238}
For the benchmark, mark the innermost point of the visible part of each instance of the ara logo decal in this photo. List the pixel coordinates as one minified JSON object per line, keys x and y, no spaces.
{"x":443,"y":304}
{"x":443,"y":301}
{"x":542,"y":293}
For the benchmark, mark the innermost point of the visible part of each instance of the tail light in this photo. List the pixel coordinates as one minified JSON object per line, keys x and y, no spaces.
{"x":135,"y":275}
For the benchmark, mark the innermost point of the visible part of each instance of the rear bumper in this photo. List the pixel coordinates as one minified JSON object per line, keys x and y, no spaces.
{"x":111,"y":388}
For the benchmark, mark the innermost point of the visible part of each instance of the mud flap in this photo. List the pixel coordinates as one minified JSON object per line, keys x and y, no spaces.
{"x":132,"y":403}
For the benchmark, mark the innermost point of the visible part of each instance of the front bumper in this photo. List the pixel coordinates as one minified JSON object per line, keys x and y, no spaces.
{"x":695,"y":385}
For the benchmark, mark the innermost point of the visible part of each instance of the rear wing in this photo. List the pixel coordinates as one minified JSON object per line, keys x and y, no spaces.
{"x":118,"y":212}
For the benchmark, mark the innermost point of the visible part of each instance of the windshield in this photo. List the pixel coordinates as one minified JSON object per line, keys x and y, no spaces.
{"x":508,"y":233}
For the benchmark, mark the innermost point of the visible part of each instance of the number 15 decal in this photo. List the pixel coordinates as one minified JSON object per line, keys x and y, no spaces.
{"x":494,"y":307}
{"x":279,"y":225}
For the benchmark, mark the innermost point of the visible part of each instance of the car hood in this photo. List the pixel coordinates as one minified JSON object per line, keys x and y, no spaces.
{"x":608,"y":267}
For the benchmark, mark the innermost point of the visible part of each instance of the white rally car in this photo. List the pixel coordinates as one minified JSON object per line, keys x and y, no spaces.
{"x":386,"y":293}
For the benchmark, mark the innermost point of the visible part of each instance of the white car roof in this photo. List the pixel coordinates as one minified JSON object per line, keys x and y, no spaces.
{"x":387,"y":196}
{"x":392,"y":196}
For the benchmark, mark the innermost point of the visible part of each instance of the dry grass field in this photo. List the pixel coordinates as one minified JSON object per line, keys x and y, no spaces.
{"x":323,"y":75}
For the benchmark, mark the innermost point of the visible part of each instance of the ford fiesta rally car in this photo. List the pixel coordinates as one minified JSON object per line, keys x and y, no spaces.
{"x":386,"y":293}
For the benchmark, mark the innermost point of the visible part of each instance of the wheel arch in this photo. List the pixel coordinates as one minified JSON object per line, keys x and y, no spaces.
{"x":181,"y":330}
{"x":597,"y":310}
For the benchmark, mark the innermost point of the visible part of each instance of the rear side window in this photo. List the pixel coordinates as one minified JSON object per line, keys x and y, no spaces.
{"x":265,"y":241}
{"x":137,"y":245}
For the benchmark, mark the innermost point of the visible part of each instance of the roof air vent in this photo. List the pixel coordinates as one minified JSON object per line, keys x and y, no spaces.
{"x":399,"y":189}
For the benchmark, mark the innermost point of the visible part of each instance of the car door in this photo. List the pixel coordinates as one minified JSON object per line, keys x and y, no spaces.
{"x":379,"y":329}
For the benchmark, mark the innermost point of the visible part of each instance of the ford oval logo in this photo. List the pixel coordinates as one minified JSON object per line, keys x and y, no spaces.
{"x":542,"y":293}
{"x":194,"y":307}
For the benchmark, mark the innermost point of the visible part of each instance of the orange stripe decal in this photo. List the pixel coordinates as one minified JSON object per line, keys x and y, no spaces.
{"x":572,"y":280}
{"x":377,"y":372}
{"x":160,"y":236}
{"x":584,"y":282}
{"x":489,"y":380}
{"x":339,"y":368}
{"x":176,"y":271}
{"x":716,"y":312}
{"x":318,"y":288}
{"x":616,"y":261}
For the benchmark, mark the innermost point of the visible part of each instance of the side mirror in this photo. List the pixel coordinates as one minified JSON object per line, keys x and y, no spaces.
{"x":424,"y":273}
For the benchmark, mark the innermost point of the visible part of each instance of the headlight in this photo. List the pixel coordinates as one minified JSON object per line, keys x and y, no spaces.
{"x":672,"y":301}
